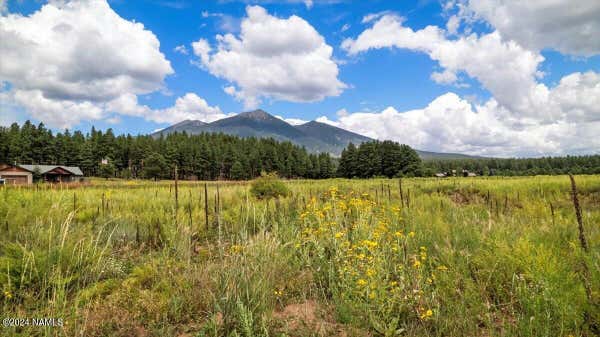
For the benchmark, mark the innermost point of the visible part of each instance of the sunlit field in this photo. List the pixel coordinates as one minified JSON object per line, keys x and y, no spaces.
{"x":379,"y":257}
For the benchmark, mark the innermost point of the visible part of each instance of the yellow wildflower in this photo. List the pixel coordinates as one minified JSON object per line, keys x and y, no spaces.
{"x":427,"y":314}
{"x":369,"y":243}
{"x":417,"y":264}
{"x":234,"y":249}
{"x":361,"y":282}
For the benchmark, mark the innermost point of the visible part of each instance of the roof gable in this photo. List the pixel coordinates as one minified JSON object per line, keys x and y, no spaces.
{"x":58,"y":170}
{"x":43,"y":169}
{"x":11,"y":168}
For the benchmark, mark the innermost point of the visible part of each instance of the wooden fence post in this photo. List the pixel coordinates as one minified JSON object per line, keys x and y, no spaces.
{"x":206,"y":204}
{"x":176,"y":190}
{"x":401,"y":192}
{"x":583,"y":241}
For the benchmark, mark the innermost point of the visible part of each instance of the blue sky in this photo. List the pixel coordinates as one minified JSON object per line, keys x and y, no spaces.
{"x":379,"y":78}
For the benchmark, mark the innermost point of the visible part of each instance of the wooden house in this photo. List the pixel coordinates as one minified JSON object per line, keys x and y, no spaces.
{"x":15,"y":175}
{"x":24,"y":174}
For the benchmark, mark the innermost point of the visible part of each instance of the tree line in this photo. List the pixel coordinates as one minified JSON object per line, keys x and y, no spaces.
{"x":589,"y":164}
{"x":390,"y":159}
{"x":379,"y":159}
{"x":211,"y":156}
{"x":206,"y":156}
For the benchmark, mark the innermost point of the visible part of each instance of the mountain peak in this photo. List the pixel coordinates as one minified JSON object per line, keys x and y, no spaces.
{"x":256,"y":114}
{"x":315,"y":136}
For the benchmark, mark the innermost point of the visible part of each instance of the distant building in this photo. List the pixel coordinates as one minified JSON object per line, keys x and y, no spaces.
{"x":23,"y":174}
{"x":467,"y":173}
{"x":452,"y":173}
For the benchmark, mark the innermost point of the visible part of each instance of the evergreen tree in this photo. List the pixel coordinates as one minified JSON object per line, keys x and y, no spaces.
{"x":155,"y":166}
{"x":107,"y":170}
{"x":237,"y":171}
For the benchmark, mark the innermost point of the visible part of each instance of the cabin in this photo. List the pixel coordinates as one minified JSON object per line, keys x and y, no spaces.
{"x":23,"y":174}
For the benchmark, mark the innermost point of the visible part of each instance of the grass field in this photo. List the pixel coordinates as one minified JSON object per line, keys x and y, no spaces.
{"x":453,"y":257}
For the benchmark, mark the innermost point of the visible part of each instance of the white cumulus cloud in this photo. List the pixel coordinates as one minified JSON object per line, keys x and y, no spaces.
{"x":452,"y":124}
{"x":505,"y":68}
{"x":79,"y":60}
{"x":524,"y":116}
{"x":189,"y":106}
{"x":274,"y":58}
{"x":569,"y":26}
{"x":80,"y":50}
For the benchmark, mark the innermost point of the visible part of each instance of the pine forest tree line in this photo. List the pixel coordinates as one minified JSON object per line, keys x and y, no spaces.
{"x":204,"y":156}
{"x":586,"y":164}
{"x":218,"y":156}
{"x":379,"y":159}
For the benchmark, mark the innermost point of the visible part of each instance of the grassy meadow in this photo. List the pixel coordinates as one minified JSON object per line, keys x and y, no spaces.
{"x":444,"y":257}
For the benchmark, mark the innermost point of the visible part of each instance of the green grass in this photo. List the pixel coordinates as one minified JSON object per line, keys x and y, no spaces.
{"x":334,"y":257}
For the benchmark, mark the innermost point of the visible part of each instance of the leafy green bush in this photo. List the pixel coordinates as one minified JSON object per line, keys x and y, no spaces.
{"x":268,"y":186}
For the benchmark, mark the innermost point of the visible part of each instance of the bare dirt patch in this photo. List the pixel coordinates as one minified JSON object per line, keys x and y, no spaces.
{"x":309,"y":318}
{"x":459,"y":198}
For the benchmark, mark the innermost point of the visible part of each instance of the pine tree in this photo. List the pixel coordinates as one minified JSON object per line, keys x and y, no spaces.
{"x":155,"y":166}
{"x":237,"y":171}
{"x":107,"y":170}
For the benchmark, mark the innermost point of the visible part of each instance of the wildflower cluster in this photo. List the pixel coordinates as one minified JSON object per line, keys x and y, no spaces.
{"x":376,"y":263}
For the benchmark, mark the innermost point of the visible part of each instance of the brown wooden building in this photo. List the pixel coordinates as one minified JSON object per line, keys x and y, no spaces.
{"x":23,"y":174}
{"x":13,"y":175}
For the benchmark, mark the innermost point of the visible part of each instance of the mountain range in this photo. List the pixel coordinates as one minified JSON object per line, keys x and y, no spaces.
{"x":314,"y":136}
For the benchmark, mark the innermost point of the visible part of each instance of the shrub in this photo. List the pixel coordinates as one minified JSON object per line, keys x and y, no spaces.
{"x":268,"y":186}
